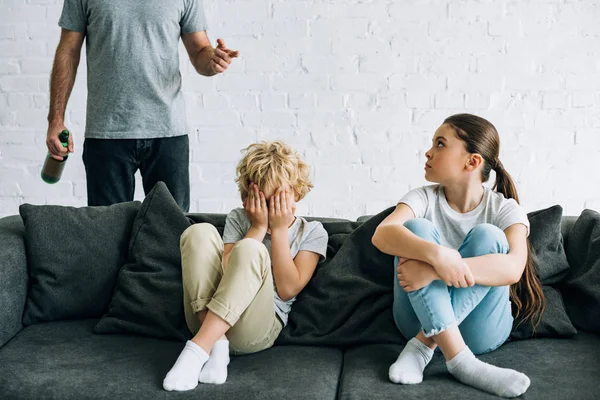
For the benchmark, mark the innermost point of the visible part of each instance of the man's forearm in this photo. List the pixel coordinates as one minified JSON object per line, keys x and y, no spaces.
{"x":284,"y":269}
{"x":62,"y":80}
{"x":202,"y":61}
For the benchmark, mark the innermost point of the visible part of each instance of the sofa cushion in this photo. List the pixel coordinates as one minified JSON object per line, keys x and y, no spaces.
{"x":349,"y":299}
{"x":73,"y":257}
{"x":13,"y":276}
{"x":551,"y":265}
{"x":549,"y":256}
{"x":555,"y":322}
{"x":581,"y":287}
{"x":65,"y":360}
{"x":148,"y":297}
{"x":558,"y":369}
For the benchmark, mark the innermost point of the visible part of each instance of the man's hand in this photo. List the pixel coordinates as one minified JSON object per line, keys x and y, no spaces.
{"x":414,"y":275}
{"x":222,"y":57}
{"x":282,"y":207}
{"x":256,"y":208}
{"x":452,"y":269}
{"x":55,"y":147}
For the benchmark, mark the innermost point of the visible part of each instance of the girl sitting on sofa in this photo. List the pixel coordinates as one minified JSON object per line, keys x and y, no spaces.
{"x":462,"y":255}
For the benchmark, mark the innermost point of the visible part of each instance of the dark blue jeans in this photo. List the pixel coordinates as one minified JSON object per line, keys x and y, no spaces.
{"x":110,"y":166}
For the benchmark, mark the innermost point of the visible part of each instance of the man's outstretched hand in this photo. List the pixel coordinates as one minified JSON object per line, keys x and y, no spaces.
{"x":222,"y":57}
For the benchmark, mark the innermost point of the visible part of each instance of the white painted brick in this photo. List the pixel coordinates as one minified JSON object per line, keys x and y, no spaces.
{"x":243,"y":101}
{"x":584,"y":99}
{"x":588,"y":137}
{"x":322,"y":119}
{"x":330,"y":100}
{"x":273,"y":101}
{"x":302,"y":101}
{"x":339,"y":27}
{"x":296,"y":82}
{"x":361,"y":101}
{"x":272,"y":119}
{"x":314,"y":63}
{"x":36,"y":65}
{"x":276,"y":63}
{"x":9,"y":67}
{"x":475,"y":101}
{"x":21,"y":83}
{"x":505,"y":27}
{"x":242,"y":82}
{"x":417,"y":82}
{"x":409,"y":11}
{"x":366,"y":83}
{"x":555,"y":101}
{"x":359,"y":82}
{"x":450,"y":100}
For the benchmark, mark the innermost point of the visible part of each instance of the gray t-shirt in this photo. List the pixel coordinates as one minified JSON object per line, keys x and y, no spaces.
{"x":133,"y":77}
{"x":302,"y":236}
{"x":430,"y":202}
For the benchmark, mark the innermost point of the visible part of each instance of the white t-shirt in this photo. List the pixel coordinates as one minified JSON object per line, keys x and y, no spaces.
{"x":430,"y":202}
{"x":302,"y":236}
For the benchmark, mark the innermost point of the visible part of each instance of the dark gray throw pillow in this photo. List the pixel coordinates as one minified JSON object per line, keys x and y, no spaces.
{"x":545,"y":236}
{"x":73,"y":256}
{"x":551,"y":266}
{"x":555,"y":322}
{"x":148,"y":297}
{"x":581,"y":287}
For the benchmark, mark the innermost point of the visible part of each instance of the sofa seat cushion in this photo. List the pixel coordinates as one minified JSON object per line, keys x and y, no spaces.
{"x":558,"y":369}
{"x":66,"y":360}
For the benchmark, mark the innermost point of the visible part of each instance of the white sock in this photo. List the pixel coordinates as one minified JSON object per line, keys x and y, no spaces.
{"x":409,"y":367}
{"x":184,"y":374}
{"x":215,"y":369}
{"x":499,"y":381}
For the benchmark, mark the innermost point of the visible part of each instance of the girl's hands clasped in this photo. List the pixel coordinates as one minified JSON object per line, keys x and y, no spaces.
{"x":452,"y":269}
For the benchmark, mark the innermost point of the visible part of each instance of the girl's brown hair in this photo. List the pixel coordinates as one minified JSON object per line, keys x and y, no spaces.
{"x":481,"y":137}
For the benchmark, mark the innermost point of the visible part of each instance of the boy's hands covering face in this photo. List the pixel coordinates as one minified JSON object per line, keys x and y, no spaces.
{"x":282,"y":207}
{"x":279,"y":212}
{"x":256,"y":207}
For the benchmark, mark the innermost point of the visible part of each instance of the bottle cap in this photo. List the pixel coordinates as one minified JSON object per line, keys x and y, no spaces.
{"x":64,"y":138}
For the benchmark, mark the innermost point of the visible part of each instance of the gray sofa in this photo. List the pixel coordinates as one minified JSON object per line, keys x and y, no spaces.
{"x":66,"y":360}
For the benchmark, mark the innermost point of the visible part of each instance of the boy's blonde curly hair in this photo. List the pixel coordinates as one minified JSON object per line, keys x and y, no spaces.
{"x":270,"y":164}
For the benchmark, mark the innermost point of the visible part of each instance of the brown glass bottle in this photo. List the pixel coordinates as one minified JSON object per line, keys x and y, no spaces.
{"x":53,"y":168}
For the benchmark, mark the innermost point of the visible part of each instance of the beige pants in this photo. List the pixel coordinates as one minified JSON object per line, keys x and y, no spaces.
{"x":242,"y":294}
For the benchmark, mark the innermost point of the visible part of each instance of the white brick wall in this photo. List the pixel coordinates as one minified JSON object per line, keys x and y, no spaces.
{"x":359,"y":87}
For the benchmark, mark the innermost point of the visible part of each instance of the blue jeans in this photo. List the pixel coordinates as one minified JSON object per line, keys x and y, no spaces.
{"x":483,"y":313}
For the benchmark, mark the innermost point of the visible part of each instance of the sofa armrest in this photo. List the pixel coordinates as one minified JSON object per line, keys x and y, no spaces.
{"x":13,"y":276}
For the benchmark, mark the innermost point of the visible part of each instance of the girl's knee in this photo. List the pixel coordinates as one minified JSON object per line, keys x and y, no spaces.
{"x":488,"y":238}
{"x":421,"y":227}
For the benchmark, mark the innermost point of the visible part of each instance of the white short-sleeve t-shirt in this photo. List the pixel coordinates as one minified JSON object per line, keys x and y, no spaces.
{"x":430,"y":202}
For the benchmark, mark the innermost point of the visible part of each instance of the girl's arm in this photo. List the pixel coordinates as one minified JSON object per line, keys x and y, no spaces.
{"x":391,"y":237}
{"x":291,"y":275}
{"x":502,"y":269}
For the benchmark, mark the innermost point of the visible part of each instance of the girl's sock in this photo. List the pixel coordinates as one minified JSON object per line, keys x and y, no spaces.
{"x":499,"y":381}
{"x":408,"y":368}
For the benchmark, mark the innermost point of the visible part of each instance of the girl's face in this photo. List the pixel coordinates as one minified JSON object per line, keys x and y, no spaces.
{"x":447,"y":157}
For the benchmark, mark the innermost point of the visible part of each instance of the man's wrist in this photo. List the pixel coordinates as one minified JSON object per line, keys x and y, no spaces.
{"x":55,"y":120}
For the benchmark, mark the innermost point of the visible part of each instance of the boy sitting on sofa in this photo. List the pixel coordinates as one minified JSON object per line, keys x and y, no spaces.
{"x":239,"y":290}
